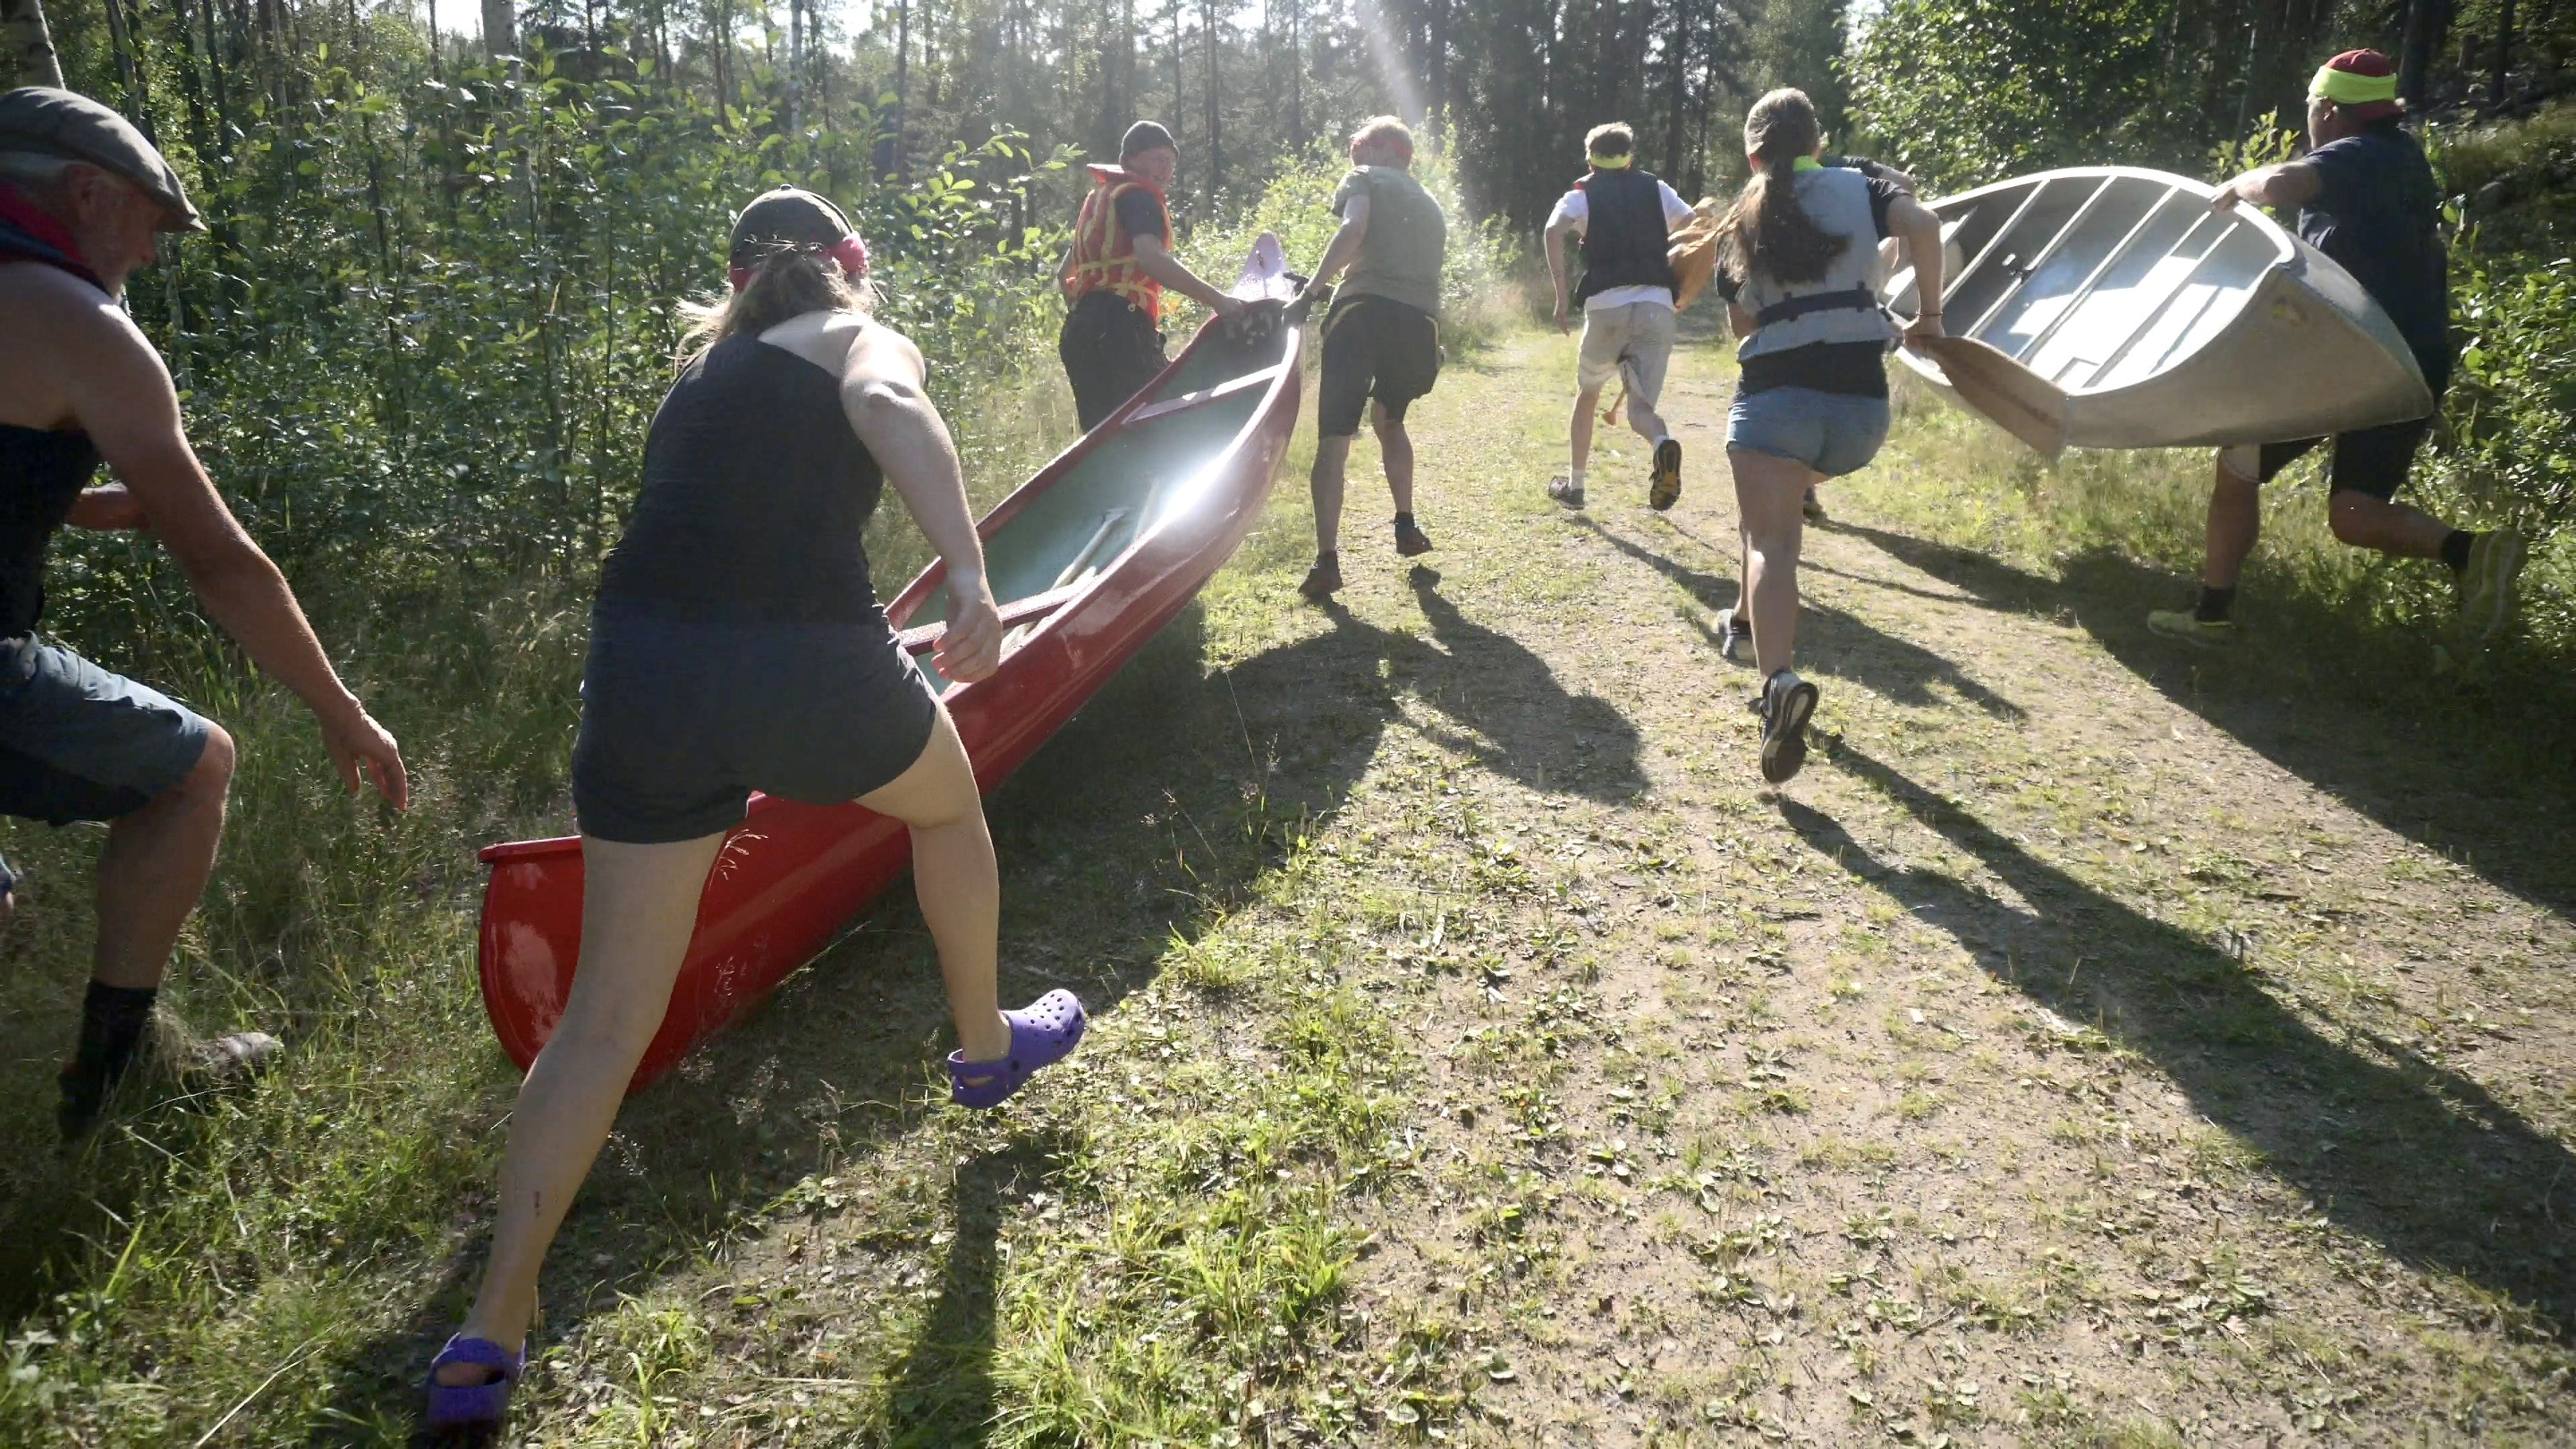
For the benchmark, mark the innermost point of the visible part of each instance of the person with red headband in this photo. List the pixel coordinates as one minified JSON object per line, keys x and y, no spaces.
{"x":737,"y":645}
{"x":2366,"y":198}
{"x":1382,"y":336}
{"x":1115,"y":273}
{"x":83,"y":199}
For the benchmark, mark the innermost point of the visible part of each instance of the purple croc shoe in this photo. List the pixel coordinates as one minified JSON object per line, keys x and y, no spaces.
{"x":1041,"y":1036}
{"x":457,"y":1409}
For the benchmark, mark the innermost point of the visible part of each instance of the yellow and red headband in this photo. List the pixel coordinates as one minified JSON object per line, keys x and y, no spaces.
{"x":2363,"y":81}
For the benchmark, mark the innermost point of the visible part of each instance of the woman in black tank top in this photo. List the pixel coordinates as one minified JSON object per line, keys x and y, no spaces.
{"x":738,"y":645}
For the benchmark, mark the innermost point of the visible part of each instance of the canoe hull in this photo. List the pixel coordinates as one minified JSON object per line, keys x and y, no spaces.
{"x":2162,"y":323}
{"x":793,"y":875}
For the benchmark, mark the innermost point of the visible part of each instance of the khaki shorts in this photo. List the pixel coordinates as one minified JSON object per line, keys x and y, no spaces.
{"x":1636,"y":340}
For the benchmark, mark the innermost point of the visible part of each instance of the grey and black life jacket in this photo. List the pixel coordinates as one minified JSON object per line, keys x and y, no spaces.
{"x":1840,"y":306}
{"x":1624,"y":241}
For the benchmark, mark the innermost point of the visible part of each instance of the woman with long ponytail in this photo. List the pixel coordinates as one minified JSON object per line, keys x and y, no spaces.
{"x":1799,"y":267}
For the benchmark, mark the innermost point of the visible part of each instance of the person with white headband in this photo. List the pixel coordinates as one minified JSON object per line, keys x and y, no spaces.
{"x":2366,"y":198}
{"x":738,"y":645}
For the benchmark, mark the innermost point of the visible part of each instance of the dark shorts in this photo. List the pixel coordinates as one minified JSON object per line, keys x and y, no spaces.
{"x":79,"y":743}
{"x":1374,"y":347}
{"x":682,"y":720}
{"x":1110,"y":351}
{"x":2374,"y":461}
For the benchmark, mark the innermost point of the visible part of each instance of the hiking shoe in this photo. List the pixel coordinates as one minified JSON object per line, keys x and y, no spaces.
{"x":1667,"y":487}
{"x":1410,"y":540}
{"x":1734,"y":629}
{"x":197,"y":1069}
{"x":2486,"y":585}
{"x":1566,"y":491}
{"x":2185,"y":625}
{"x":1813,"y":508}
{"x":1324,"y":579}
{"x":1787,"y":701}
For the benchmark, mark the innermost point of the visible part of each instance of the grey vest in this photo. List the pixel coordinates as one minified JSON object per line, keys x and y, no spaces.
{"x":1803,"y":313}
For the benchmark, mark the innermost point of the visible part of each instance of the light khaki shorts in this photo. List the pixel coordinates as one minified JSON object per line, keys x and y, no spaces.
{"x":1636,"y":339}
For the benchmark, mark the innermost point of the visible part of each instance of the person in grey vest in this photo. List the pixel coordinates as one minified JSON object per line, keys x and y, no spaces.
{"x":1799,"y":268}
{"x":1624,"y":218}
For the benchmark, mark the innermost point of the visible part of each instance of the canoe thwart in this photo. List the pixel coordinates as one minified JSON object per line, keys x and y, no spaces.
{"x":1017,"y":611}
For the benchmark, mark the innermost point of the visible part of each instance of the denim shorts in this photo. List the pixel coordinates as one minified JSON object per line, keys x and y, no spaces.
{"x":682,"y":719}
{"x":1832,"y":432}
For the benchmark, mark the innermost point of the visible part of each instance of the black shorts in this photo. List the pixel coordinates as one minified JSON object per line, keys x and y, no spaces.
{"x":682,"y":720}
{"x":1374,"y":347}
{"x":79,"y":743}
{"x":2373,"y":462}
{"x":1110,"y":351}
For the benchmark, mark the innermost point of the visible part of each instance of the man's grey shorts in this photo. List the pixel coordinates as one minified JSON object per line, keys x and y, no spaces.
{"x":79,"y":743}
{"x":1832,"y":432}
{"x":1635,"y":341}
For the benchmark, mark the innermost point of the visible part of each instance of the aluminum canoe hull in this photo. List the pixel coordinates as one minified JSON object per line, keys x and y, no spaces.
{"x":1206,"y":439}
{"x":2160,"y":322}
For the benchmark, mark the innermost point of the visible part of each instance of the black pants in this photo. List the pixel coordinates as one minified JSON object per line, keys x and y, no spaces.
{"x":1110,"y":351}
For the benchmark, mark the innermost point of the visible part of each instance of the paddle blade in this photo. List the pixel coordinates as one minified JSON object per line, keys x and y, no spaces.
{"x":2014,"y":398}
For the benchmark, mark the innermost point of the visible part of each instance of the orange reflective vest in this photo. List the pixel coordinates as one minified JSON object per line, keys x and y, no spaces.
{"x":1104,"y":256}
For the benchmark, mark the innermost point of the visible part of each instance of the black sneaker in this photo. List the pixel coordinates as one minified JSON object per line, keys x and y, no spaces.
{"x":196,"y":1069}
{"x":1813,"y":507}
{"x":1566,"y":491}
{"x":1667,"y":487}
{"x":1324,"y":579}
{"x":1734,"y":631}
{"x":1787,"y":702}
{"x":1409,"y":540}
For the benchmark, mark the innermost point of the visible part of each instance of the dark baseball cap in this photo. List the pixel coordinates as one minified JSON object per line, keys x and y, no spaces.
{"x":788,"y":216}
{"x":1146,"y":136}
{"x":50,"y":122}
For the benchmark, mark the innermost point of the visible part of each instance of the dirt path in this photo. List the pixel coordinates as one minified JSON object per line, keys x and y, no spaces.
{"x":1483,"y":1052}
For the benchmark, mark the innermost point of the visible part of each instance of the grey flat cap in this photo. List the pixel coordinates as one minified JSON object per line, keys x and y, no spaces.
{"x":66,"y":124}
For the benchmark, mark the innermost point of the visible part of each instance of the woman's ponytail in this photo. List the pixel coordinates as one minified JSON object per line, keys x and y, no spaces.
{"x":1766,"y":230}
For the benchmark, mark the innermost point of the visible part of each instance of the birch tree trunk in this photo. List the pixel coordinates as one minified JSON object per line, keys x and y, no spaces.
{"x":27,"y":46}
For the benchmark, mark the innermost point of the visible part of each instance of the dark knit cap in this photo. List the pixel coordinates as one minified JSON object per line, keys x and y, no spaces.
{"x":788,"y":216}
{"x":50,"y":122}
{"x":1145,"y":136}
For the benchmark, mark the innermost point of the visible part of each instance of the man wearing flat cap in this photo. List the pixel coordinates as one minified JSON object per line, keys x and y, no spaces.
{"x":2366,"y":198}
{"x":83,"y":197}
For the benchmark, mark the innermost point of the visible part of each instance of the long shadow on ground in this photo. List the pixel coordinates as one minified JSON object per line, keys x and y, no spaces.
{"x":2381,"y":1142}
{"x":1896,"y":668}
{"x":2483,"y":780}
{"x":1152,"y":812}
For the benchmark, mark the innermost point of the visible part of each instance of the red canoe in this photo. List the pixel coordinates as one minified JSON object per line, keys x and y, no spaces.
{"x":1089,"y":559}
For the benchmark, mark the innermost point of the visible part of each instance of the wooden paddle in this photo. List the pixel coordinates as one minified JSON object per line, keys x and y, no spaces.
{"x":2013,"y":397}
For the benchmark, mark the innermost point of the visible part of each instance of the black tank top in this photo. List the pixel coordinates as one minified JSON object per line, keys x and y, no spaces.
{"x":755,"y":495}
{"x":41,"y":476}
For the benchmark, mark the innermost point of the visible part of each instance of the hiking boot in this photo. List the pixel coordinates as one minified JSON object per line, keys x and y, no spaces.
{"x":1813,"y":508}
{"x":1566,"y":491}
{"x":2486,"y":585}
{"x":1787,"y":702}
{"x":1409,"y":540}
{"x":196,"y":1069}
{"x":2185,"y":625}
{"x":1734,"y":629}
{"x":1667,"y":487}
{"x":1324,"y":579}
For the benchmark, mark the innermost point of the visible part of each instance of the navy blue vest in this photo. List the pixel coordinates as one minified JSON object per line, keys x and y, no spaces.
{"x":1624,"y":240}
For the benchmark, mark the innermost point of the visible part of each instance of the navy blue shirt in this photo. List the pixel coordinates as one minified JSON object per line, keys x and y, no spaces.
{"x":2378,"y":213}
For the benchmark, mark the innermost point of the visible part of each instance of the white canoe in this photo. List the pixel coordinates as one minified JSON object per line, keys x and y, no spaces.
{"x":2153,"y":321}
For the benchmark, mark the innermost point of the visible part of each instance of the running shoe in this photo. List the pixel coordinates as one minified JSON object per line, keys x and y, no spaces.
{"x":2486,"y":585}
{"x":1814,"y":507}
{"x":1667,"y":488}
{"x":1324,"y":579}
{"x":1734,"y":629}
{"x":1787,"y":702}
{"x":2185,"y":625}
{"x":1410,"y":540}
{"x":197,"y":1070}
{"x":1566,"y":491}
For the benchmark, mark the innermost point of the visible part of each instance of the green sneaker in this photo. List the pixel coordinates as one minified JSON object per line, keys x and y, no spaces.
{"x":2486,"y":585}
{"x":2184,"y":624}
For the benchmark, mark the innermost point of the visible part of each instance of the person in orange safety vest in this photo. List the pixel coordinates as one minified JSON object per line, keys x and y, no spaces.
{"x":1115,"y":274}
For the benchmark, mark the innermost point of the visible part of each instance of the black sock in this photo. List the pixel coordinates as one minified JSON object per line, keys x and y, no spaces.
{"x":2214,"y":604}
{"x":113,"y":1019}
{"x":2455,"y":549}
{"x":1404,"y":520}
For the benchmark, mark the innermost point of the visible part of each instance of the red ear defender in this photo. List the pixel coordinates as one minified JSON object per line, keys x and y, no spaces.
{"x":741,"y":277}
{"x":852,"y":254}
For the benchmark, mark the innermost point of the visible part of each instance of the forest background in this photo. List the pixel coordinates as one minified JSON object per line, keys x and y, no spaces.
{"x":422,"y":340}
